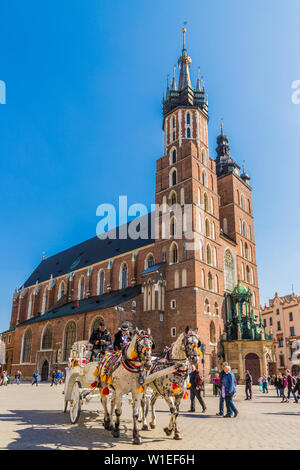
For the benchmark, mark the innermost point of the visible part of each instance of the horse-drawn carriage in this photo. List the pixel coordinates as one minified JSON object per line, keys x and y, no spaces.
{"x":81,"y":379}
{"x":132,"y":371}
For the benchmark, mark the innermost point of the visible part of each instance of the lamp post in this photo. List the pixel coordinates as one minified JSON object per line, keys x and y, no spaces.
{"x":203,"y":348}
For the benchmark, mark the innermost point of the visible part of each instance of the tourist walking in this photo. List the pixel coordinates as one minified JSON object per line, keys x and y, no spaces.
{"x":260,"y":383}
{"x":216,"y":383}
{"x":276,"y":385}
{"x":35,"y":378}
{"x":196,"y":390}
{"x":18,"y":377}
{"x":290,"y":386}
{"x":296,"y":389}
{"x":265,"y":384}
{"x":222,"y":398}
{"x":228,"y":390}
{"x":54,"y":378}
{"x":282,"y":384}
{"x":248,"y":387}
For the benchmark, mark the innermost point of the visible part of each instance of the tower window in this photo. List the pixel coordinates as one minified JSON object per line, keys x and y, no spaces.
{"x":188,"y":133}
{"x":174,"y":156}
{"x":188,"y":118}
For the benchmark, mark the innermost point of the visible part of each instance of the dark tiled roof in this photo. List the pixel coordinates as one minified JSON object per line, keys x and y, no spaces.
{"x":89,"y":252}
{"x":8,"y":331}
{"x":98,"y":302}
{"x":153,"y":268}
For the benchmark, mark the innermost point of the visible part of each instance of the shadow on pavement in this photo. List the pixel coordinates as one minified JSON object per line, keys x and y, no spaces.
{"x":284,"y":413}
{"x":52,"y":430}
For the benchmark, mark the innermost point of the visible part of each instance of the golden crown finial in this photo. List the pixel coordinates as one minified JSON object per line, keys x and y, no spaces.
{"x":184,"y":30}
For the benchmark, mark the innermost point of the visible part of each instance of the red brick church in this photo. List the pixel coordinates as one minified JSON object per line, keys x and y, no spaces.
{"x":166,"y":282}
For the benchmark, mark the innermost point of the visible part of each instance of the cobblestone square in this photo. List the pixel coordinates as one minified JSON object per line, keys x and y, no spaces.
{"x":32,"y":418}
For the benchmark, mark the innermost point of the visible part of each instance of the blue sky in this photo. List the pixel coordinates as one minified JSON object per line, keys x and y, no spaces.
{"x":82,"y":123}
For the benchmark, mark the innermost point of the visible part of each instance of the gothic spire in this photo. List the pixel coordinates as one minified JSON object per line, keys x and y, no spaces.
{"x":174,"y":85}
{"x":181,"y":93}
{"x":198,"y":86}
{"x":184,"y":63}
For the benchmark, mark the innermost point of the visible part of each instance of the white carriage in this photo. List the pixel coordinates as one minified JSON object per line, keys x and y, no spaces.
{"x":81,"y":379}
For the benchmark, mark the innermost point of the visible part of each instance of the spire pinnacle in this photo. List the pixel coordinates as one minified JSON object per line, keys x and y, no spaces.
{"x":198,"y":86}
{"x":184,"y":63}
{"x":174,"y":86}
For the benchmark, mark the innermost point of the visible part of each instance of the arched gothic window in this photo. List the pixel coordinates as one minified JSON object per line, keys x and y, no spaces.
{"x":229,"y":271}
{"x":205,"y":198}
{"x":203,"y":278}
{"x":174,"y":156}
{"x":212,"y":332}
{"x":216,"y":283}
{"x":44,"y":301}
{"x":210,"y":282}
{"x":100,"y":282}
{"x":174,"y":253}
{"x":173,"y":177}
{"x":81,"y":288}
{"x":150,"y":261}
{"x":207,"y":228}
{"x":248,"y":275}
{"x":208,"y":254}
{"x":47,"y":338}
{"x":124,"y":276}
{"x":27,"y":341}
{"x":61,"y":290}
{"x":69,"y":339}
{"x":29,"y":313}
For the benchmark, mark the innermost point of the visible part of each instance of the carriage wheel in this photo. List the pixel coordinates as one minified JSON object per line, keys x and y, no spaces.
{"x":66,"y":406}
{"x":75,"y":403}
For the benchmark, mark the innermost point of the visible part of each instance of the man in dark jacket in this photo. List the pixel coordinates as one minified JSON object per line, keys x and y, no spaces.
{"x":196,"y":381}
{"x":291,"y":386}
{"x":122,"y":337}
{"x":101,"y":340}
{"x":296,"y":389}
{"x":248,"y":387}
{"x":221,"y":398}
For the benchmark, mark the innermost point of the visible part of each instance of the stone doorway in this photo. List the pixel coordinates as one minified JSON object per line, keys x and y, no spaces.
{"x":253,"y":366}
{"x":45,"y":371}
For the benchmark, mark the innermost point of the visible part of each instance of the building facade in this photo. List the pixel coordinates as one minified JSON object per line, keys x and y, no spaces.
{"x":185,"y":275}
{"x":281,"y":319}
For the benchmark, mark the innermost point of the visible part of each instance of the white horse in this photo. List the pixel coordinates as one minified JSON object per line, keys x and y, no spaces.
{"x":122,"y":374}
{"x":184,"y":351}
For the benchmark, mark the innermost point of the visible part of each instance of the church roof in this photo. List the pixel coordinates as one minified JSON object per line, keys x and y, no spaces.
{"x":90,"y":252}
{"x":97,"y":302}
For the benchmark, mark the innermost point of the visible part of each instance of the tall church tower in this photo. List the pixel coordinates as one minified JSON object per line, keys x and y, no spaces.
{"x":206,"y":232}
{"x":186,"y":176}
